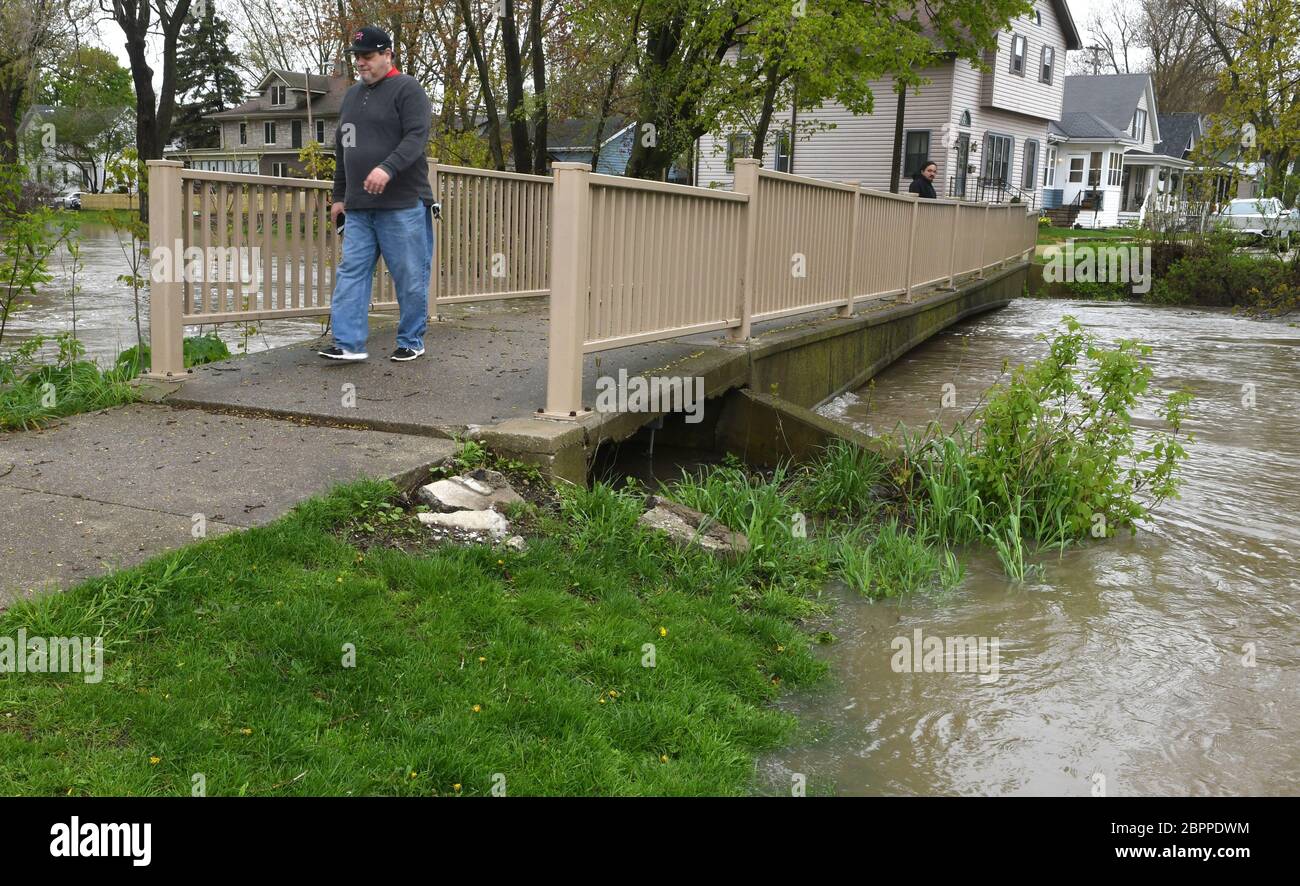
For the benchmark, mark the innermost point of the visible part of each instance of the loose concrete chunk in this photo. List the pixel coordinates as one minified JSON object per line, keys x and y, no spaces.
{"x":468,"y":493}
{"x":517,"y":543}
{"x":687,"y":526}
{"x":471,"y":521}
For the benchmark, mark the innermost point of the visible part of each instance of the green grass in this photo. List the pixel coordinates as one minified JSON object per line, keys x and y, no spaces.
{"x":224,"y":659}
{"x":1051,"y":234}
{"x":54,"y":391}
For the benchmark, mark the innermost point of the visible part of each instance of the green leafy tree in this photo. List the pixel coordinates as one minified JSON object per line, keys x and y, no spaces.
{"x":206,"y":82}
{"x":808,"y":51}
{"x":29,"y":235}
{"x":89,"y":122}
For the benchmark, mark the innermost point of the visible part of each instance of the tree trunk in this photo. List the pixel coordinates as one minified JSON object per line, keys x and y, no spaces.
{"x":765,"y":115}
{"x":542,"y":114}
{"x":485,"y":86}
{"x":520,"y":146}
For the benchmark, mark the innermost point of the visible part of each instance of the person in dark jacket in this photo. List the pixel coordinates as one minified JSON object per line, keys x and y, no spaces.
{"x":381,"y":179}
{"x":923,"y":182}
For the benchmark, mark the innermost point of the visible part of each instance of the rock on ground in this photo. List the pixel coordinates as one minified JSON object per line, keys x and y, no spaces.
{"x":687,"y":526}
{"x":473,"y":521}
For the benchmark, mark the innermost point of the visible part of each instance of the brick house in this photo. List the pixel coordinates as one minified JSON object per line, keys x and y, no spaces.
{"x":264,"y":135}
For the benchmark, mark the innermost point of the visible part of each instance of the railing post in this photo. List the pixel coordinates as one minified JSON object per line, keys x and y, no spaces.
{"x":911,"y":250}
{"x":166,"y":323}
{"x":435,"y":276}
{"x":570,"y":266}
{"x":952,"y":247}
{"x":854,"y":231}
{"x":746,"y":182}
{"x":984,"y":240}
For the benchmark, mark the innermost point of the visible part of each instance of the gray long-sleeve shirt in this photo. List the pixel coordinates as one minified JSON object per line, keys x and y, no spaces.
{"x":385,"y":125}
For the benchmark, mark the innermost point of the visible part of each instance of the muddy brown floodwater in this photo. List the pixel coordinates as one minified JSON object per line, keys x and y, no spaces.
{"x":1127,"y":664}
{"x":105,"y":308}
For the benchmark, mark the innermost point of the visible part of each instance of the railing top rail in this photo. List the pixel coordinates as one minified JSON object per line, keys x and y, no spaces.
{"x":247,"y":179}
{"x":906,"y":198}
{"x":493,"y":173}
{"x":804,"y":180}
{"x":640,"y":184}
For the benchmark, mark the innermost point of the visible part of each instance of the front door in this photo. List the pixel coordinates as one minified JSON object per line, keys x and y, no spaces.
{"x":963,"y":160}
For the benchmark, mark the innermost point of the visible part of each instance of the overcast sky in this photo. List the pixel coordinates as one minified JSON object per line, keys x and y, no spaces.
{"x":109,"y":36}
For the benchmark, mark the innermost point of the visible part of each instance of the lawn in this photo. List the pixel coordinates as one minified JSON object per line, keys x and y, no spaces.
{"x":474,"y":667}
{"x":1049,"y":234}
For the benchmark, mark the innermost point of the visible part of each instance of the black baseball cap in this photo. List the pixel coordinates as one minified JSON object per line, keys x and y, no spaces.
{"x":370,"y":39}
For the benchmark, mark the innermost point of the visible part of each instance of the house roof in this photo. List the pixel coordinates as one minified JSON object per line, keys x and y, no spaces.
{"x":1072,"y":40}
{"x":1111,"y":98}
{"x":294,"y":79}
{"x":576,"y":134}
{"x":1178,"y":130}
{"x":1086,"y":126}
{"x":256,"y":108}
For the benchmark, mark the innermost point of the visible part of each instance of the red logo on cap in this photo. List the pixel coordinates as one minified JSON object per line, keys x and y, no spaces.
{"x":358,"y":35}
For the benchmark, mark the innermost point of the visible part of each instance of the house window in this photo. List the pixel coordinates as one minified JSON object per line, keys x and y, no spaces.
{"x":1038,"y":17}
{"x":1049,"y":168}
{"x":997,"y":157}
{"x":741,"y":144}
{"x":243,"y":133}
{"x":268,"y":132}
{"x":1017,"y":54}
{"x":965,"y":119}
{"x":782,"y":152}
{"x":277,"y":95}
{"x":295,"y":134}
{"x":916,"y":150}
{"x":1048,"y":62}
{"x":1029,"y":171}
{"x":320,"y":131}
{"x":1139,"y":130}
{"x":1076,"y":170}
{"x":1115,"y":171}
{"x":280,"y":169}
{"x":1094,"y":170}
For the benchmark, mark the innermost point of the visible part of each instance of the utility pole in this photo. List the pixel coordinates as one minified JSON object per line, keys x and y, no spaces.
{"x":1096,"y":61}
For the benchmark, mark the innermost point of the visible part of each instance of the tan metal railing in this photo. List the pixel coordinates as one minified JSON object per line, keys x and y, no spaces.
{"x":635,"y":261}
{"x":624,"y":260}
{"x":229,"y":248}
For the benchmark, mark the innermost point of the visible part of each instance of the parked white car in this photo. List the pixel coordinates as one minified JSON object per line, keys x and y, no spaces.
{"x":70,"y":200}
{"x":1263,"y":217}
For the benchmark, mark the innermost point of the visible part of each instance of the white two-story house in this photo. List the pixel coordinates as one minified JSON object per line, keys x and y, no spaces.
{"x":1104,"y":167}
{"x":986,"y":130}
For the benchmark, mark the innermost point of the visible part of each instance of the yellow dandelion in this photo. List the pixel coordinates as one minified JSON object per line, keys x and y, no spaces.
{"x":477,"y":708}
{"x":482,"y":658}
{"x":154,"y":761}
{"x":780,"y":648}
{"x":456,"y":788}
{"x":613,"y":693}
{"x":501,"y":562}
{"x":414,"y":773}
{"x":663,"y":632}
{"x":602,"y":699}
{"x":245,"y":731}
{"x":663,"y":758}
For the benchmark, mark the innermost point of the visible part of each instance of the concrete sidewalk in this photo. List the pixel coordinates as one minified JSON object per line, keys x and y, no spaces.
{"x":109,"y":489}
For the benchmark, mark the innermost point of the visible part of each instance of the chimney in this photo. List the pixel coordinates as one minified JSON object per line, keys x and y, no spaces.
{"x":340,"y":69}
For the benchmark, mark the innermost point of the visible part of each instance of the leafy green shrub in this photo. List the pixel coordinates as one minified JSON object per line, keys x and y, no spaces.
{"x":1212,"y":275}
{"x":196,"y":350}
{"x":1053,"y":456}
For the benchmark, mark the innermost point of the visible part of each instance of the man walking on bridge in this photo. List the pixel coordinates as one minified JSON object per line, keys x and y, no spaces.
{"x":381,"y":179}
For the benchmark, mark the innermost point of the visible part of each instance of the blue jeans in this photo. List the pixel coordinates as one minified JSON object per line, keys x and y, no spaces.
{"x":404,"y":237}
